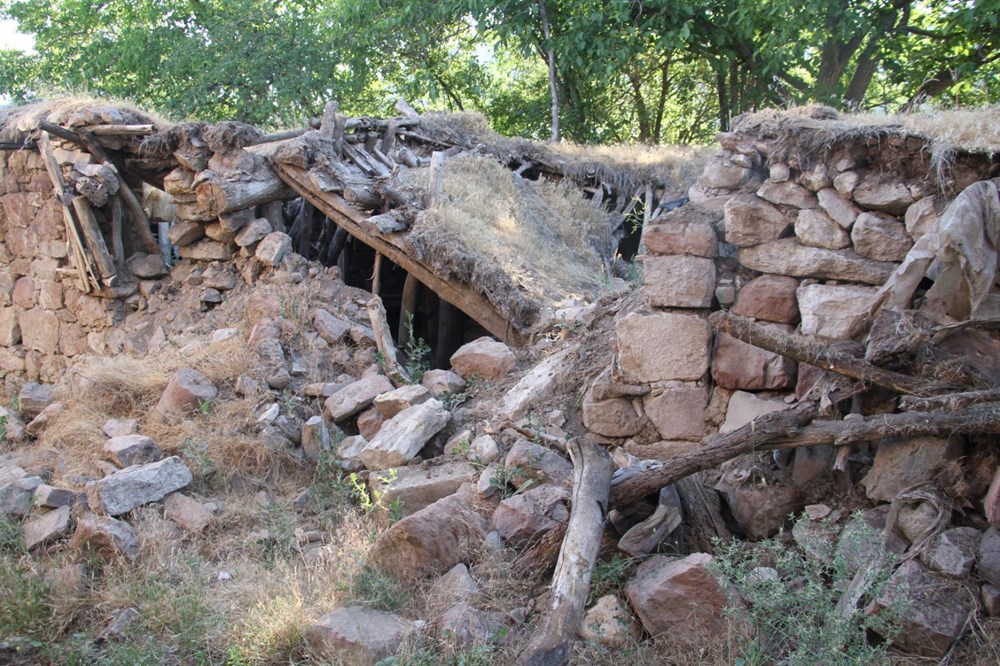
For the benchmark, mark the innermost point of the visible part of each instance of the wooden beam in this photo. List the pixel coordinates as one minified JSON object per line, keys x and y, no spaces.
{"x":467,"y":297}
{"x":95,"y":240}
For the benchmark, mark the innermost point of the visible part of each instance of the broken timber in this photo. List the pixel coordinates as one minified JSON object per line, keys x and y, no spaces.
{"x":349,"y":218}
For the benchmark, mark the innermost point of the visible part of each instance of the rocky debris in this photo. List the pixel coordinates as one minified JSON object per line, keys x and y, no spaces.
{"x":106,"y":537}
{"x":273,"y":362}
{"x":453,"y":587}
{"x":187,"y":512}
{"x":51,"y":497}
{"x":186,"y":391}
{"x":787,"y":257}
{"x":134,"y":486}
{"x":47,"y":527}
{"x":527,"y":516}
{"x":485,"y":357}
{"x":349,"y":452}
{"x":834,"y":311}
{"x":273,"y":248}
{"x":357,"y":635}
{"x":678,"y":597}
{"x":989,"y":557}
{"x":403,"y":436}
{"x":430,"y":541}
{"x":331,"y":328}
{"x":481,"y":450}
{"x":13,"y":425}
{"x":608,"y":623}
{"x":663,"y":346}
{"x":532,"y":464}
{"x":952,"y":552}
{"x":745,"y":407}
{"x":749,"y":220}
{"x":120,"y":427}
{"x":537,"y":386}
{"x":33,"y":398}
{"x":417,"y":486}
{"x":356,"y":396}
{"x":146,"y":266}
{"x":678,"y":413}
{"x":315,"y":438}
{"x":880,"y":237}
{"x":464,"y":624}
{"x":16,"y":490}
{"x":903,"y":463}
{"x":935,"y":609}
{"x":769,"y":298}
{"x":679,"y":281}
{"x":442,"y":382}
{"x":129,"y":450}
{"x":389,"y":404}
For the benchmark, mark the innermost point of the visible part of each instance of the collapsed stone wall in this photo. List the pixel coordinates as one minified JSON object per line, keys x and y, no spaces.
{"x":45,"y":318}
{"x":795,"y":227}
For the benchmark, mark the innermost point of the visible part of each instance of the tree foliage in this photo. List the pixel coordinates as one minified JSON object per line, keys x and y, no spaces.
{"x":645,"y":70}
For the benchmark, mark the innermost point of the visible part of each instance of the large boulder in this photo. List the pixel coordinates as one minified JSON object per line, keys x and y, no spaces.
{"x":430,"y":541}
{"x":486,"y":358}
{"x":880,"y":237}
{"x":415,"y":487}
{"x":356,"y":396}
{"x":537,"y":386}
{"x":47,"y":527}
{"x":16,"y":490}
{"x":401,"y":438}
{"x":902,"y":463}
{"x":614,"y":417}
{"x":681,"y":237}
{"x":357,"y":635}
{"x":536,"y":464}
{"x":679,"y":598}
{"x":527,"y":516}
{"x":815,"y":228}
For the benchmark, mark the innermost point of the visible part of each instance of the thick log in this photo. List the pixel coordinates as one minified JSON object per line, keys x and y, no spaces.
{"x":950,"y":401}
{"x":224,"y":193}
{"x":552,"y":642}
{"x":819,"y":353}
{"x":122,"y":130}
{"x":95,"y":241}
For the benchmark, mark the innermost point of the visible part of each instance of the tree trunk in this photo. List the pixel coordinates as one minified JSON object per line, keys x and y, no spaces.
{"x":551,"y":57}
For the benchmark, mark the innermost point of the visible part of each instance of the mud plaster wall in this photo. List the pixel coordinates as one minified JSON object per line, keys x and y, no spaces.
{"x":779,"y":231}
{"x":44,"y":316}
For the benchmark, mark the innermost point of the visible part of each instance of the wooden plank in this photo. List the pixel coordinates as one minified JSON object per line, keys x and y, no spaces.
{"x":122,"y":130}
{"x":95,"y":240}
{"x":466,"y":297}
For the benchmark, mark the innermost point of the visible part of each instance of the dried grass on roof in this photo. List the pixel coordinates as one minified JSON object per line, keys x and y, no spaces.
{"x":16,"y":123}
{"x":625,"y":166}
{"x":527,"y":242}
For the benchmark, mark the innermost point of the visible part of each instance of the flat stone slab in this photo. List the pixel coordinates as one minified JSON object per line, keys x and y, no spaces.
{"x":134,"y":486}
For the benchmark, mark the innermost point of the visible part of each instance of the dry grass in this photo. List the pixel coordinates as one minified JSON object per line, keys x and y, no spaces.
{"x":17,"y":122}
{"x":544,"y":238}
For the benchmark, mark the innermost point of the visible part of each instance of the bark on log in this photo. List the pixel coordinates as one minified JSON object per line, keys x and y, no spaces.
{"x":789,"y":429}
{"x":383,"y":340}
{"x":818,"y":353}
{"x":552,"y":642}
{"x":224,"y":193}
{"x":95,"y":241}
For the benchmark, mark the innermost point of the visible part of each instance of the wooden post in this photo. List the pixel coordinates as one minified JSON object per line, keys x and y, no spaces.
{"x":95,"y":241}
{"x":407,"y":308}
{"x":377,"y":273}
{"x":117,"y":245}
{"x":436,"y":179}
{"x":552,"y":642}
{"x":383,"y":340}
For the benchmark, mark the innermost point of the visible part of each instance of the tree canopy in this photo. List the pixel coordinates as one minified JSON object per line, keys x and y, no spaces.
{"x":619,"y":70}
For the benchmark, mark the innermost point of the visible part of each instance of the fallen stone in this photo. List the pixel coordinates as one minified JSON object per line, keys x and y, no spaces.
{"x":678,"y":597}
{"x":331,"y":328}
{"x":442,"y":382}
{"x":483,"y":450}
{"x":187,"y":512}
{"x":952,"y":552}
{"x":615,"y":417}
{"x":357,"y":635}
{"x":535,"y":387}
{"x":369,"y":423}
{"x":455,"y":586}
{"x":890,"y":196}
{"x":46,"y":528}
{"x":760,"y":511}
{"x":745,"y":407}
{"x":315,"y":438}
{"x":146,"y":266}
{"x":131,"y":450}
{"x":185,"y":392}
{"x":769,"y":298}
{"x":749,"y":220}
{"x":739,"y":365}
{"x":106,"y":537}
{"x":787,"y":194}
{"x":527,"y":516}
{"x":817,"y":539}
{"x":900,"y":464}
{"x":608,"y":623}
{"x":989,"y":556}
{"x":678,"y":413}
{"x":536,"y":464}
{"x":51,"y":497}
{"x":486,"y":358}
{"x":788,"y":257}
{"x":402,"y":437}
{"x":679,"y":237}
{"x":273,"y":248}
{"x":16,"y":490}
{"x":809,"y":463}
{"x":662,"y":346}
{"x":834,"y":311}
{"x":934,"y":609}
{"x":134,"y":486}
{"x":815,"y":228}
{"x":120,"y":427}
{"x":840,"y":209}
{"x":349,"y":452}
{"x":880,"y":237}
{"x":412,"y":488}
{"x":430,"y":541}
{"x":462,"y":624}
{"x":253,"y":232}
{"x":33,"y":398}
{"x":357,"y":396}
{"x":392,"y":403}
{"x":679,"y":281}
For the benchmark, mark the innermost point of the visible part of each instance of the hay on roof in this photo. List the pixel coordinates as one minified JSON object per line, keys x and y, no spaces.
{"x":17,"y":123}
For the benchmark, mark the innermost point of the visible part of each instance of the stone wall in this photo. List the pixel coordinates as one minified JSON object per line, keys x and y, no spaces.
{"x":795,"y":225}
{"x":45,"y":318}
